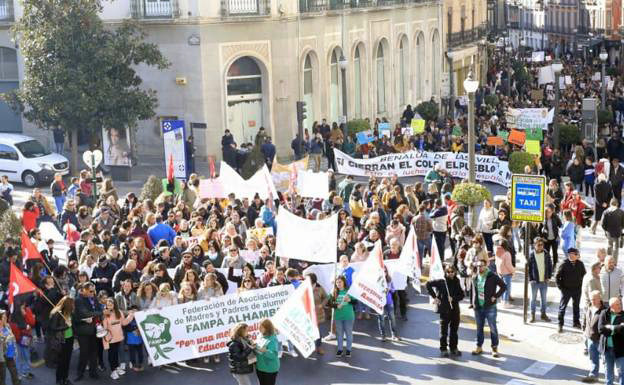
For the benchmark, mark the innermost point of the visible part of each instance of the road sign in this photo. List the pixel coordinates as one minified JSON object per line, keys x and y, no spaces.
{"x":527,"y":197}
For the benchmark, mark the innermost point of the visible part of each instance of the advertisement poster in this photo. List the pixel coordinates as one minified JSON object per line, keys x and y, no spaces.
{"x":173,"y":138}
{"x":116,"y":144}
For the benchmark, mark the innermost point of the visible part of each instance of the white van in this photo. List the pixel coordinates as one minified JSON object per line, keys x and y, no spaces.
{"x":25,"y":159}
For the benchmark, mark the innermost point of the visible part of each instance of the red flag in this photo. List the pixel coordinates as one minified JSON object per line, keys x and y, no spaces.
{"x":19,"y":283}
{"x":71,"y":235}
{"x":170,"y":169}
{"x":211,"y":163}
{"x":308,"y":303}
{"x":29,"y":251}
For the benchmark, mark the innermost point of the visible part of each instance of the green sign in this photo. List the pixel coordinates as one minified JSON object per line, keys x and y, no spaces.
{"x":534,"y":133}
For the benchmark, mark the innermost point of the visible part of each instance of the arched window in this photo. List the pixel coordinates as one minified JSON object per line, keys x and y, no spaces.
{"x":403,"y":66}
{"x":308,"y":91}
{"x":435,"y":68}
{"x":246,"y":105}
{"x":419,"y":59}
{"x":244,"y":77}
{"x":334,"y":86}
{"x":381,"y":81}
{"x":357,"y":79}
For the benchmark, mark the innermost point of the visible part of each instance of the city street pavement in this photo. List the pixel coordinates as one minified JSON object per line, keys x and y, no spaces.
{"x":530,"y":354}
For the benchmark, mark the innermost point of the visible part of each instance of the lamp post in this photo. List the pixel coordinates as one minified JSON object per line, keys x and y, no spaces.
{"x":450,"y":55}
{"x":471,"y":85}
{"x":603,"y":58}
{"x":343,"y":63}
{"x":557,"y":67}
{"x":508,"y":88}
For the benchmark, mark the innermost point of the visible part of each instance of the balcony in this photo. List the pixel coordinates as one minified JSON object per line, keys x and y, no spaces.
{"x":457,"y":39}
{"x":328,"y":5}
{"x":154,"y":9}
{"x":6,"y":11}
{"x":245,"y":8}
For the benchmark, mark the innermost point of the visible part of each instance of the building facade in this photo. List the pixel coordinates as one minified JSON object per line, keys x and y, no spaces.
{"x":242,"y":64}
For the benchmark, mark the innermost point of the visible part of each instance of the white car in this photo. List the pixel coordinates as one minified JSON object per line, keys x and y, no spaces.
{"x":25,"y":159}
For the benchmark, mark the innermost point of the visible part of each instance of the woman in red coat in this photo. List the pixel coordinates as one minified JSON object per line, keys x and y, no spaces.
{"x":30,"y":214}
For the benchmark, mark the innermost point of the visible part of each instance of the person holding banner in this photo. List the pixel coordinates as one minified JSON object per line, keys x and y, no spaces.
{"x":344,"y":315}
{"x":267,"y":354}
{"x":241,"y":355}
{"x":320,"y":301}
{"x":446,"y":294}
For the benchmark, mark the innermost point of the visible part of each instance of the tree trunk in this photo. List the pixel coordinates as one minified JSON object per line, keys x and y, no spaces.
{"x":74,"y":153}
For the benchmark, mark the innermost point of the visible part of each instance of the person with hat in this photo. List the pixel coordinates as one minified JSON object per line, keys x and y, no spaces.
{"x":569,"y":279}
{"x":483,"y":297}
{"x":185,"y":265}
{"x":447,"y":293}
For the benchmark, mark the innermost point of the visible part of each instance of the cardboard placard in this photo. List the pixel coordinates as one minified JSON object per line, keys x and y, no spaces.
{"x":495,"y":141}
{"x":534,"y":133}
{"x":533,"y":147}
{"x":418,"y":126}
{"x":517,"y":137}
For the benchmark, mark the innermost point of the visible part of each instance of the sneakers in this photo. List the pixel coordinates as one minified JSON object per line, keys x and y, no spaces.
{"x":120,"y":371}
{"x":545,"y":318}
{"x":383,"y":338}
{"x":339,"y":353}
{"x":444,"y":353}
{"x":396,"y":338}
{"x":560,"y":329}
{"x":477,"y":351}
{"x":114,"y":375}
{"x":217,"y":359}
{"x":495,"y":352}
{"x":456,"y":353}
{"x":330,"y":337}
{"x":206,"y":360}
{"x":122,"y":366}
{"x":320,"y":351}
{"x":589,"y":379}
{"x":348,"y":354}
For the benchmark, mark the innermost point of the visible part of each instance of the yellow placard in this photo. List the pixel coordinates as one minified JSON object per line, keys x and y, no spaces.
{"x":533,"y":147}
{"x":418,"y":126}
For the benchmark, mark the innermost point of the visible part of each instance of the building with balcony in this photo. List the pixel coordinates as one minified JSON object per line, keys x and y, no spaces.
{"x":527,"y":21}
{"x":242,"y":64}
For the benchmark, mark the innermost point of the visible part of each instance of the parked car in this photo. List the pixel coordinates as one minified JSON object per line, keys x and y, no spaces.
{"x":25,"y":159}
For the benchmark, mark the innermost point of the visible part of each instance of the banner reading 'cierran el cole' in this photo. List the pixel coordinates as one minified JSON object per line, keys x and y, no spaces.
{"x":414,"y":163}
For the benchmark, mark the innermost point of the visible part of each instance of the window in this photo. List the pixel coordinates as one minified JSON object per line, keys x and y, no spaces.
{"x":8,"y":64}
{"x":244,"y":77}
{"x":308,"y":90}
{"x":381,"y":80}
{"x":403,"y":58}
{"x":8,"y":153}
{"x":32,"y":149}
{"x":334,"y":86}
{"x":357,"y":78}
{"x":420,"y":57}
{"x":435,"y":70}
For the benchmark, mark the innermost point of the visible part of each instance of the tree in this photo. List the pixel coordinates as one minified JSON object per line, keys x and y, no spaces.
{"x":79,"y":74}
{"x":428,"y":110}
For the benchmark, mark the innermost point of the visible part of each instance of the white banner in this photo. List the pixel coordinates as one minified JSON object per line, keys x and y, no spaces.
{"x":369,"y":284}
{"x":229,"y":181}
{"x":546,"y":75}
{"x":409,"y":261}
{"x":296,"y":319}
{"x":307,"y":240}
{"x":523,"y":118}
{"x":313,"y":184}
{"x":201,"y":328}
{"x":537,"y":56}
{"x":281,"y":172}
{"x":412,"y":163}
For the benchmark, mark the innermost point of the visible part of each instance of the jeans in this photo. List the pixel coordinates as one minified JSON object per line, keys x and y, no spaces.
{"x":244,"y":379}
{"x":381,"y":321}
{"x":507,"y":279}
{"x":566,"y":295}
{"x":136,"y":355}
{"x":481,"y":315}
{"x":423,"y":246}
{"x":610,"y":362}
{"x":449,"y":324}
{"x":59,"y":202}
{"x":401,"y":299}
{"x":489,"y":242}
{"x":543,"y":289}
{"x":344,"y":328}
{"x":23,"y":360}
{"x":551,"y":246}
{"x":614,"y":246}
{"x":594,"y":357}
{"x":59,"y":147}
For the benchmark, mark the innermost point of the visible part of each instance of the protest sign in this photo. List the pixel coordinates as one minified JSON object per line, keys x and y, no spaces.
{"x":229,"y":181}
{"x":383,"y":130}
{"x":201,"y":328}
{"x":568,"y":80}
{"x":280,"y":173}
{"x":596,"y":77}
{"x":534,"y":133}
{"x":457,"y":131}
{"x":364,"y":137}
{"x":296,"y":319}
{"x":532,"y":147}
{"x":259,"y":233}
{"x":546,"y":75}
{"x":495,"y":141}
{"x":523,"y":118}
{"x":369,"y":284}
{"x":418,"y":126}
{"x":503,"y":134}
{"x":562,"y":83}
{"x":313,"y":184}
{"x":537,"y":56}
{"x":517,"y":137}
{"x":537,"y":95}
{"x":414,"y":163}
{"x":307,"y":240}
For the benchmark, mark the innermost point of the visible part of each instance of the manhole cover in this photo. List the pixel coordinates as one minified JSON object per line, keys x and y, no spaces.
{"x":567,"y":338}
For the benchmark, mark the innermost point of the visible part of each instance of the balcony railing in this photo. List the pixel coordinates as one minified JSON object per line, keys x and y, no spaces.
{"x":6,"y":10}
{"x":456,"y":39}
{"x":242,"y":8}
{"x":155,"y":9}
{"x":325,"y":5}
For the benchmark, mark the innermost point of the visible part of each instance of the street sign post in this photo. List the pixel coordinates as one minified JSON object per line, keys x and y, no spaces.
{"x":527,"y":205}
{"x":93,"y":159}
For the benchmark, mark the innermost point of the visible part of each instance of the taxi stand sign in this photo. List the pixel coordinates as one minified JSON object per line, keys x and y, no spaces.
{"x":527,"y":197}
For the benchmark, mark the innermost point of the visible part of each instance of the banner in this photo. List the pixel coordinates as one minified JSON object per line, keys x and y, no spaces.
{"x":523,"y":118}
{"x":280,"y":173}
{"x":409,"y":260}
{"x":307,"y":240}
{"x":313,"y":184}
{"x":296,"y":319}
{"x":413,"y":163}
{"x":229,"y":181}
{"x":173,"y":138}
{"x":369,"y":285}
{"x":202,"y":328}
{"x":537,"y":56}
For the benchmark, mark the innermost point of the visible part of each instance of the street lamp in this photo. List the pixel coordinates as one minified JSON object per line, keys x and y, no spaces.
{"x":343,"y":64}
{"x":451,"y":57}
{"x":557,"y":67}
{"x":471,"y":85}
{"x":603,"y":58}
{"x":508,"y":49}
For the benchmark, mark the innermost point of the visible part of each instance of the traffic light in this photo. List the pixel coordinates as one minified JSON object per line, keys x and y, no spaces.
{"x":301,"y":112}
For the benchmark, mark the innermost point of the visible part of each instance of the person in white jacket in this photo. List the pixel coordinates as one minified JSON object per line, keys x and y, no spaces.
{"x":611,"y":279}
{"x":487,"y":216}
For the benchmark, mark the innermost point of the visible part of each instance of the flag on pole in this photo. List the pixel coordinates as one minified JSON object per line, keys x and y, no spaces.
{"x":370,"y":285}
{"x":436,"y":270}
{"x":409,"y":260}
{"x":29,"y":251}
{"x":19,"y":283}
{"x":170,"y":169}
{"x":211,"y":164}
{"x":296,"y":319}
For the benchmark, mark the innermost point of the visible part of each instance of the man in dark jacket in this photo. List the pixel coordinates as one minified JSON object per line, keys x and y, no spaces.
{"x":604,"y":193}
{"x":616,"y":177}
{"x":613,"y":223}
{"x":129,"y":271}
{"x":447,"y":293}
{"x":611,"y":327}
{"x":86,"y":311}
{"x":615,"y":145}
{"x":103,"y":275}
{"x":569,"y":280}
{"x":540,"y":272}
{"x":592,"y":334}
{"x":483,"y":297}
